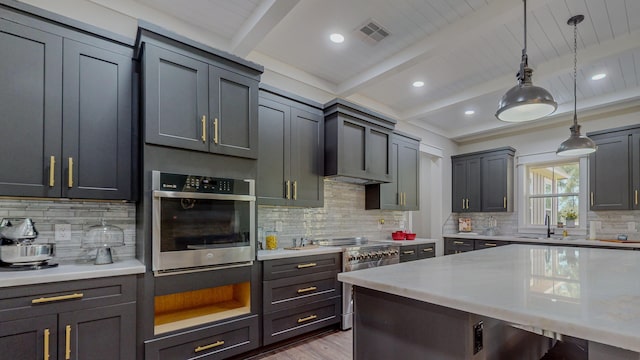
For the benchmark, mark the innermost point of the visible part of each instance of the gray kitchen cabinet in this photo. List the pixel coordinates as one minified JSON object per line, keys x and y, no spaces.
{"x":456,"y":246}
{"x":614,"y":175}
{"x":70,"y":118}
{"x":197,"y":98}
{"x":357,"y":143}
{"x":484,"y":244}
{"x":84,"y":319}
{"x":300,"y":294}
{"x":291,"y":146}
{"x":403,"y":193}
{"x":483,"y":181}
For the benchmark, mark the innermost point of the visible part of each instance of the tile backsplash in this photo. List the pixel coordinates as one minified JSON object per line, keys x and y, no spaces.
{"x":80,"y":215}
{"x":343,"y":215}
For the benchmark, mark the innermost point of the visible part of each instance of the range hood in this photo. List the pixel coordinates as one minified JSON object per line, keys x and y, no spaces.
{"x":357,"y":144}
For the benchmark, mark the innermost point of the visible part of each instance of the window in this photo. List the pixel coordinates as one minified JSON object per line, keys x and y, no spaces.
{"x":553,"y":190}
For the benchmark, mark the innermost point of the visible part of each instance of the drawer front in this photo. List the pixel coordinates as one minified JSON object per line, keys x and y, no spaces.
{"x":212,"y":342}
{"x":296,"y":321}
{"x":408,"y":253}
{"x":301,"y":265}
{"x":300,"y":290}
{"x":35,"y":300}
{"x":454,"y":246}
{"x":426,"y":251}
{"x":483,"y":244}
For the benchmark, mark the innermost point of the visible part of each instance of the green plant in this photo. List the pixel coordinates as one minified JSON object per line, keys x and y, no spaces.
{"x":570,"y":214}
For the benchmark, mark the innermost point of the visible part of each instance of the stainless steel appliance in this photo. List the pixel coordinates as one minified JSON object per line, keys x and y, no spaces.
{"x":358,"y":253}
{"x":201,"y":222}
{"x":17,"y":247}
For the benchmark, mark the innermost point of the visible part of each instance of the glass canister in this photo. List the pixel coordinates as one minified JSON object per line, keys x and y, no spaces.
{"x":271,"y":240}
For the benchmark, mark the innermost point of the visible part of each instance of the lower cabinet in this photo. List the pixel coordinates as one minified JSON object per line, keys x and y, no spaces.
{"x":455,"y":246}
{"x":483,"y":244}
{"x":218,"y":341}
{"x":300,"y":294}
{"x":85,"y":319}
{"x":417,"y":252}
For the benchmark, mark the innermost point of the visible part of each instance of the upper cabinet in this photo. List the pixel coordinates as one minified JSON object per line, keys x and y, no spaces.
{"x":357,"y":143}
{"x":614,"y":169}
{"x":66,"y":99}
{"x":403,"y":193}
{"x":483,"y":181}
{"x":198,"y":98}
{"x":291,"y":146}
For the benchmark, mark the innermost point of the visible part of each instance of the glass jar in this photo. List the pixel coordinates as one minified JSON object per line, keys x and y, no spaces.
{"x":271,"y":240}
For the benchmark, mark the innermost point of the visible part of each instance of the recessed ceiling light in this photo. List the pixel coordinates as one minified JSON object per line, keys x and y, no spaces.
{"x":469,"y":112}
{"x":418,"y":84}
{"x":336,"y":38}
{"x":599,"y":76}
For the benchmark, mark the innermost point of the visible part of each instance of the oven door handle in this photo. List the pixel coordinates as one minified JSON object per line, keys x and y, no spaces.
{"x":191,"y":195}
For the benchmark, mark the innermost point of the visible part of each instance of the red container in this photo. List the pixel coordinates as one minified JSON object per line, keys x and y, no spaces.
{"x":410,"y":236}
{"x":398,"y":235}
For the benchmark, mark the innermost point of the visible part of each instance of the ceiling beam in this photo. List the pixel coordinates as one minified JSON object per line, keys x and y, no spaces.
{"x":263,"y":19}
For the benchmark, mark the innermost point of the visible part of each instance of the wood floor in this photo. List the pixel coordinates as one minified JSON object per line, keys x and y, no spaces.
{"x":328,"y":346}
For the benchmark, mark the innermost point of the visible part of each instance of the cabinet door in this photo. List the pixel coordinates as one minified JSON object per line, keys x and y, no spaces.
{"x":408,"y":175}
{"x":29,"y":339}
{"x":635,"y":166}
{"x":494,"y":183}
{"x":274,"y":161}
{"x":408,"y":253}
{"x":458,"y":185}
{"x":352,"y":149}
{"x":30,"y":111}
{"x":233,"y":105}
{"x":175,"y":91}
{"x":105,"y":333}
{"x":609,"y":174}
{"x":307,"y":158}
{"x":96,"y":156}
{"x":390,"y":192}
{"x":474,"y":185}
{"x":378,"y":155}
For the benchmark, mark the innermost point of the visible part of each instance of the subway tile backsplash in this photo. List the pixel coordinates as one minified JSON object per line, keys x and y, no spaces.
{"x":80,"y":215}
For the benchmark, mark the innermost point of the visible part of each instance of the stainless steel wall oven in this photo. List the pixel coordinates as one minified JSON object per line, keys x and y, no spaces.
{"x":201,"y":222}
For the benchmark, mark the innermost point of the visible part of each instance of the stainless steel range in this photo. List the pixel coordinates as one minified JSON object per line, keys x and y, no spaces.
{"x":359,"y":253}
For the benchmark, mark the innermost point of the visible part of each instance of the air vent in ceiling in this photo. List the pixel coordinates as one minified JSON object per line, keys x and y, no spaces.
{"x":372,"y":32}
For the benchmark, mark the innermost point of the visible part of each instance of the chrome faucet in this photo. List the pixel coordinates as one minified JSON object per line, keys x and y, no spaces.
{"x":547,"y":221}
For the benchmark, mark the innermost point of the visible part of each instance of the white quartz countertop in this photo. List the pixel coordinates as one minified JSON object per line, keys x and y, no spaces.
{"x":67,"y":272}
{"x":542,"y":240}
{"x":588,"y":293}
{"x":411,"y":242}
{"x":281,"y":253}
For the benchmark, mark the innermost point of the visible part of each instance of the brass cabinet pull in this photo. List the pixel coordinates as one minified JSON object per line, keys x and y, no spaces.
{"x":467,"y":203}
{"x":459,"y":242}
{"x":305,"y":319}
{"x":427,"y":250}
{"x":404,"y":198}
{"x":204,"y":128}
{"x":47,"y":333}
{"x":302,"y":266}
{"x":636,"y":197}
{"x":210,"y":346}
{"x":310,"y":288}
{"x":52,"y":171}
{"x":57,"y":298}
{"x":463,"y":203}
{"x":295,"y":190}
{"x":288,"y":191}
{"x":67,"y":343}
{"x":408,"y":252}
{"x":504,"y":202}
{"x":490,"y":244}
{"x":592,"y":198}
{"x":70,"y":172}
{"x":215,"y":130}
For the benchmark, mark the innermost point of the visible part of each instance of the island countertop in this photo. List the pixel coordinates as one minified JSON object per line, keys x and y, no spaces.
{"x":588,"y":293}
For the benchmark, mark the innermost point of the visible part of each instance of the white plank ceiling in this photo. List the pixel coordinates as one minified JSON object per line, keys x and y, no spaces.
{"x":466,"y":51}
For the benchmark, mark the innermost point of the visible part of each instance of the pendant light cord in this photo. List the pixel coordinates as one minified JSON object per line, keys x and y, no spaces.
{"x":524,"y":52}
{"x":575,"y":73}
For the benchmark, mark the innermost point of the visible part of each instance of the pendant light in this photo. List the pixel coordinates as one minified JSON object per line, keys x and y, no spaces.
{"x":576,"y":144}
{"x":525,"y":101}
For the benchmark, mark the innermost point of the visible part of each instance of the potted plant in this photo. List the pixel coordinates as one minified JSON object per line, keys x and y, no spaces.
{"x":571,"y":216}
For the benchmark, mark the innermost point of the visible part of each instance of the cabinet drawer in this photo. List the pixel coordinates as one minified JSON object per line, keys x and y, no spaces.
{"x":303,"y":265}
{"x":454,"y":246}
{"x":426,"y":251}
{"x":295,"y":291}
{"x":483,"y":244}
{"x":408,"y":253}
{"x":211,"y":342}
{"x":35,"y":300}
{"x":295,"y":321}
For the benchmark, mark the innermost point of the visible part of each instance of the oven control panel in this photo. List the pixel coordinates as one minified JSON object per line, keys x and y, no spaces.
{"x":201,"y":184}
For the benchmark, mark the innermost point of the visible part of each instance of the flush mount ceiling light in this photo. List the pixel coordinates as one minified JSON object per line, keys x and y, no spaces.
{"x":336,"y":38}
{"x":525,"y":102}
{"x":576,"y":144}
{"x":599,"y":76}
{"x":469,"y":112}
{"x":418,"y":84}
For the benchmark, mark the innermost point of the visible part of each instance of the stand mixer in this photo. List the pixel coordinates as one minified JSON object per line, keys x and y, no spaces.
{"x":16,"y":244}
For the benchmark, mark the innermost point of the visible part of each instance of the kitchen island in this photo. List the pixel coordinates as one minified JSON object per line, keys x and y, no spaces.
{"x":499,"y":303}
